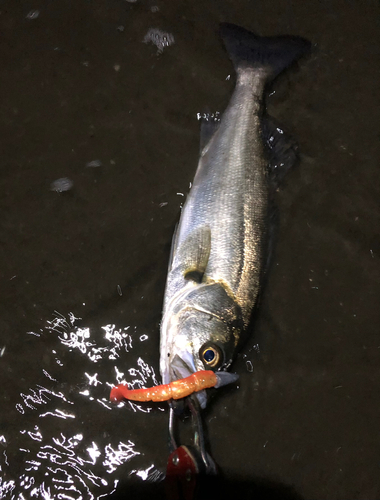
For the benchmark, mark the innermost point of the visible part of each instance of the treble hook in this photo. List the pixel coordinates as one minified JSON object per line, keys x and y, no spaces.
{"x":187,"y":464}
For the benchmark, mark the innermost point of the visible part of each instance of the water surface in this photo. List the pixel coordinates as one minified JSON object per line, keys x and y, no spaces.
{"x":112,"y":121}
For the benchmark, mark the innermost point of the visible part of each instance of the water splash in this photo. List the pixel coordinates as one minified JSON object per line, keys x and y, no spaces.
{"x":61,"y":185}
{"x":160,"y":39}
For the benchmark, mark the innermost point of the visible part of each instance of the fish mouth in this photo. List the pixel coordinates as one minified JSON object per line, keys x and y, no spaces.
{"x":183,"y":366}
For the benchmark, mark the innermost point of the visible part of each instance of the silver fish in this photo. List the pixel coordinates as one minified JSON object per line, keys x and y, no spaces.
{"x":219,"y":247}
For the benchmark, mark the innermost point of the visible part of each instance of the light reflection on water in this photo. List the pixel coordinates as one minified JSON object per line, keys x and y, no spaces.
{"x":56,"y":460}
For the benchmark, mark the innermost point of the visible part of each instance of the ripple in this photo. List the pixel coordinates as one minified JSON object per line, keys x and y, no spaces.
{"x":61,"y":453}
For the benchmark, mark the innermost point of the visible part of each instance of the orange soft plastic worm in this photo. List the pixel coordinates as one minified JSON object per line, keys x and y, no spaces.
{"x":178,"y":389}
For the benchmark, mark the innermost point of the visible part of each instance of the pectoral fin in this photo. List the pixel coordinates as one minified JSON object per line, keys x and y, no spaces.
{"x":194,"y":254}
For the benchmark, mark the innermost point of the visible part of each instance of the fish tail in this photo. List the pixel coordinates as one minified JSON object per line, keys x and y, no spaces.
{"x":271,"y":55}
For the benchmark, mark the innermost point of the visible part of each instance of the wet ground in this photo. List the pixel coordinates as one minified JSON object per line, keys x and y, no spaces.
{"x":82,"y":276}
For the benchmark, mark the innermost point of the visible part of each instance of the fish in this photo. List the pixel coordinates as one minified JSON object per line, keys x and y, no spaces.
{"x":220,"y":246}
{"x":219,"y":251}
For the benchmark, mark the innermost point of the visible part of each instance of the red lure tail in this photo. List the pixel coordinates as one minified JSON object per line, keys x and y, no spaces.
{"x":178,"y":389}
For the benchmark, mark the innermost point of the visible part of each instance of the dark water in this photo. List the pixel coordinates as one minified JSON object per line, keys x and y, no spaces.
{"x":83,"y":271}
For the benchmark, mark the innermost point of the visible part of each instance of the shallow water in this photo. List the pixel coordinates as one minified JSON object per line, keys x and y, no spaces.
{"x":89,"y":107}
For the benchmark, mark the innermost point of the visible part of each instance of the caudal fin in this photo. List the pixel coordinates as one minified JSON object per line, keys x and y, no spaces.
{"x":271,"y":54}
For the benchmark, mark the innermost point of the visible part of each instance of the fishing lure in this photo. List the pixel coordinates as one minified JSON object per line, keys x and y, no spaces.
{"x":177,"y":389}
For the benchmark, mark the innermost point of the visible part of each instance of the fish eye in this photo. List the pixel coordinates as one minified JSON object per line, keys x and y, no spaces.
{"x":211,"y":355}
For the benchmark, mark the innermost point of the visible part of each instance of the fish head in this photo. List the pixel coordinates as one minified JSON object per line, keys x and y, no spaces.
{"x":201,"y":332}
